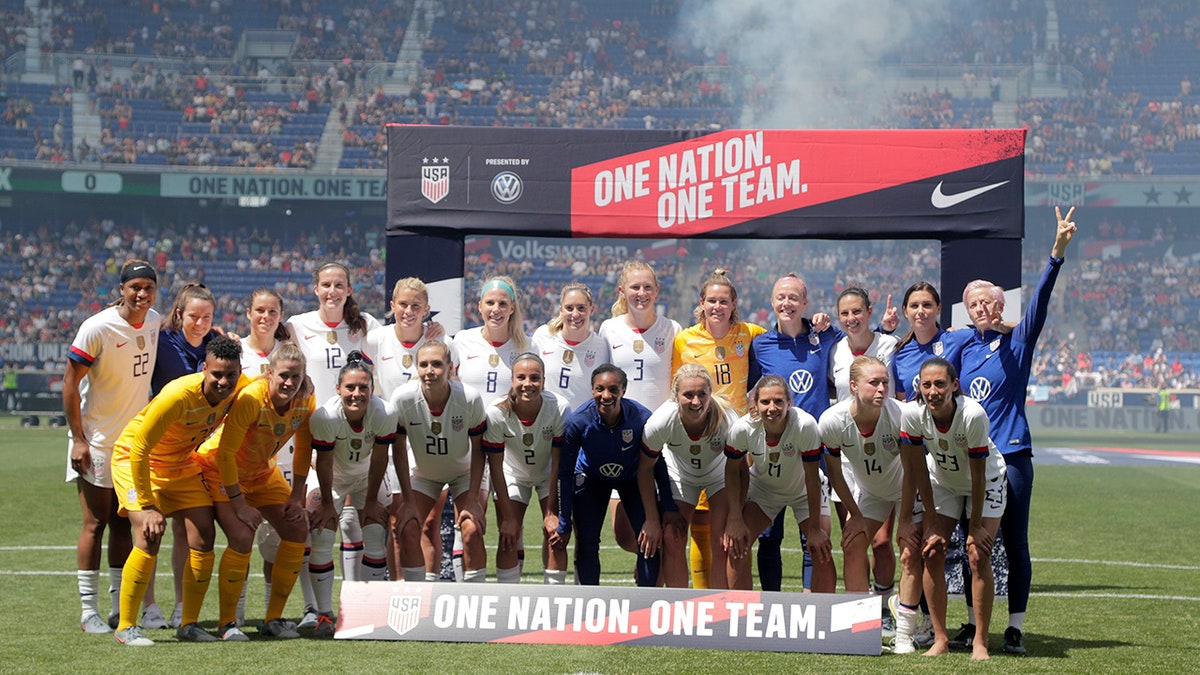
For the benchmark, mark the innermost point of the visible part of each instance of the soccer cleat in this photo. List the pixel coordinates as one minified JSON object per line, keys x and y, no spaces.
{"x":324,"y":627}
{"x":924,"y":636}
{"x":132,"y":637}
{"x":964,"y":637}
{"x":176,"y":619}
{"x":92,"y":623}
{"x":887,"y":621}
{"x":1014,"y":641}
{"x":114,"y":620}
{"x":231,"y":633}
{"x":309,"y":621}
{"x":279,"y":628}
{"x":194,"y":633}
{"x":901,"y":643}
{"x":152,"y":617}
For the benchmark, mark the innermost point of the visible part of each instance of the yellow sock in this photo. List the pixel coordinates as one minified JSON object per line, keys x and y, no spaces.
{"x":139,"y":569}
{"x":231,"y":578}
{"x":701,"y":556}
{"x":288,"y":560}
{"x":196,"y":575}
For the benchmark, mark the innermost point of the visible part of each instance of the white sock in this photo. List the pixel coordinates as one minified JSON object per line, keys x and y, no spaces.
{"x":906,"y":622}
{"x":475,"y":576}
{"x":241,"y":606}
{"x":1017,"y":620}
{"x":320,"y":565}
{"x":374,"y":553}
{"x":306,"y":586}
{"x":520,"y":556}
{"x":456,"y":555}
{"x":431,"y":576}
{"x":89,"y":584}
{"x":352,"y":544}
{"x":554,"y":577}
{"x":114,"y":588}
{"x":413,"y":573}
{"x":510,"y":575}
{"x":267,"y":594}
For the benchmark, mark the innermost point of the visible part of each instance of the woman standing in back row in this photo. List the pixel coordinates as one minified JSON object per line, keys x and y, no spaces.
{"x":999,"y":384}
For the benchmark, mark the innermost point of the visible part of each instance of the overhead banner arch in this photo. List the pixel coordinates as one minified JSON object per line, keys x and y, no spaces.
{"x":963,"y":187}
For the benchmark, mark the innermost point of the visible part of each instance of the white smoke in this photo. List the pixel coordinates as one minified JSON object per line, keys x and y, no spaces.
{"x":810,"y":63}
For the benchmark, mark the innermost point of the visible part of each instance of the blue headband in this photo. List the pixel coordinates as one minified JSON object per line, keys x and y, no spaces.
{"x":502,"y":285}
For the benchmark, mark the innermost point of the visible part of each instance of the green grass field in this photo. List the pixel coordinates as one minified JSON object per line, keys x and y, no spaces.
{"x":1115,"y":589}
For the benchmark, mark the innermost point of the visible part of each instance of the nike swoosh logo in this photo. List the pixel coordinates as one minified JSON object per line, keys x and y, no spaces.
{"x":388,"y":358}
{"x":309,"y":337}
{"x":673,"y":445}
{"x":545,"y":353}
{"x":472,"y":356}
{"x":617,"y":346}
{"x":122,"y":344}
{"x":626,"y":448}
{"x":941,"y":200}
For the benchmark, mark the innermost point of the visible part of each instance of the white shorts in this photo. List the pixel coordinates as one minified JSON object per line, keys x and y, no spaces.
{"x":956,"y":504}
{"x":101,"y":473}
{"x":356,"y":491}
{"x":772,"y":503}
{"x":433,"y":488}
{"x":688,"y":491}
{"x":522,"y":491}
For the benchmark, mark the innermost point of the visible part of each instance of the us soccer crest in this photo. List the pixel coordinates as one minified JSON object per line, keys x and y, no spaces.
{"x":995,"y":344}
{"x":589,"y":358}
{"x":456,"y":423}
{"x":789,"y":450}
{"x":141,"y":340}
{"x":627,"y":435}
{"x":568,"y":357}
{"x":406,"y":361}
{"x":296,"y":422}
{"x":435,"y":182}
{"x":960,"y":440}
{"x":813,"y":339}
{"x":547,"y":433}
{"x":938,"y":348}
{"x":638,"y":346}
{"x":404,"y":612}
{"x":889,"y":442}
{"x":279,"y":429}
{"x":660,"y":344}
{"x":739,"y":349}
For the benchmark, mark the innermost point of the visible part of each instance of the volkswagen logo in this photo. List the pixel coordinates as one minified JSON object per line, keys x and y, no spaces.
{"x":980,"y":388}
{"x":611,"y":470}
{"x":800,"y":381}
{"x":507,"y":187}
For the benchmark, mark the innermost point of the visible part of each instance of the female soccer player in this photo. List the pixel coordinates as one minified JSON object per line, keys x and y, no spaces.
{"x":107,"y":382}
{"x":486,"y":353}
{"x":718,"y":341}
{"x":265,"y":416}
{"x":327,"y":335}
{"x":569,"y":347}
{"x":922,"y":305}
{"x":689,"y":435}
{"x":854,"y":311}
{"x":966,"y":475}
{"x":154,"y":476}
{"x":351,"y":433}
{"x":527,"y":426}
{"x":442,"y":422}
{"x":641,"y":342}
{"x":996,"y":368}
{"x":185,"y":333}
{"x":599,"y":455}
{"x":785,"y":446}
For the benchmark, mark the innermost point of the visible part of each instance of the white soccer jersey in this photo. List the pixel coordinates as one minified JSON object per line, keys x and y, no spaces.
{"x":691,"y":461}
{"x":777,"y":469}
{"x":645,"y":356}
{"x":483,"y":366}
{"x":882,"y":348}
{"x":439,"y":444}
{"x":256,"y":363}
{"x":569,"y":366}
{"x":351,"y":447}
{"x":395,"y":362}
{"x":948,"y":451}
{"x":872,"y":460}
{"x":326,"y":348}
{"x":120,"y":359}
{"x":527,"y":447}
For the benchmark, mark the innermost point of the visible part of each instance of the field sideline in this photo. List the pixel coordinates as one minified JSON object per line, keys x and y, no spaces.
{"x":1114,"y":587}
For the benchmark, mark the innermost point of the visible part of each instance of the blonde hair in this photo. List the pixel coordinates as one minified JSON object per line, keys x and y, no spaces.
{"x":718,"y":409}
{"x":437,"y":344}
{"x":719,"y":277}
{"x":516,"y":329}
{"x":621,"y":306}
{"x":995,"y":291}
{"x":555,"y":324}
{"x":412,"y":283}
{"x":288,"y":351}
{"x":861,"y":363}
